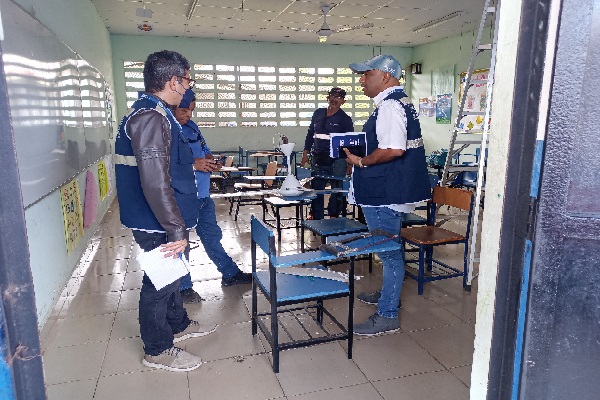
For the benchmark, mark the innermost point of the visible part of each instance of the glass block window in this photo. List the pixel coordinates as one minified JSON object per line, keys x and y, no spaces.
{"x":262,"y":96}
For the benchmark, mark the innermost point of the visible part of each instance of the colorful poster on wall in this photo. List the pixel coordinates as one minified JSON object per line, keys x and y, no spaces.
{"x":72,"y":214}
{"x":110,"y":172}
{"x":90,"y":203}
{"x":427,"y":106}
{"x":475,"y":101}
{"x":443,"y":108}
{"x":103,"y":183}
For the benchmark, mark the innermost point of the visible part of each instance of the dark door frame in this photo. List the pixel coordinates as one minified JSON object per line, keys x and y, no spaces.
{"x":19,"y":336}
{"x":517,"y":225}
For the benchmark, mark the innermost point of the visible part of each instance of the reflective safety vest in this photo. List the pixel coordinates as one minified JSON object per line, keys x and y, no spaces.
{"x":404,"y":180}
{"x":134,"y":209}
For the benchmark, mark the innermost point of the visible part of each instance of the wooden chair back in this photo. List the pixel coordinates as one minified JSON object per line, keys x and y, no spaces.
{"x":271,"y":170}
{"x":454,"y":197}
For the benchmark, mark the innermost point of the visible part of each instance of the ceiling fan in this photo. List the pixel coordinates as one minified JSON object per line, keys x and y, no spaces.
{"x":325,"y":31}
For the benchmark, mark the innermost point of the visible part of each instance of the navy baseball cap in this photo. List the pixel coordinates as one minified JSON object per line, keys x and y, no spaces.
{"x":382,"y":62}
{"x":187,"y":99}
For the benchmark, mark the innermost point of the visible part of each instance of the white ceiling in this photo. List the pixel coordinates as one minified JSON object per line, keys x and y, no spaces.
{"x":269,"y":20}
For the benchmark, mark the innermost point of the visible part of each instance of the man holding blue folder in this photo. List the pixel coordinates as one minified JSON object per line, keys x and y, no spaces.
{"x":389,"y":180}
{"x":325,"y":121}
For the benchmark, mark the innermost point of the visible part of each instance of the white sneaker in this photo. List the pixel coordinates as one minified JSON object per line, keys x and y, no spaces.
{"x":173,"y":359}
{"x":194,"y":329}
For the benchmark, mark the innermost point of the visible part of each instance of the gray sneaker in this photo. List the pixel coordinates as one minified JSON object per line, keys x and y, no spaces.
{"x":376,"y":325}
{"x":194,"y":329}
{"x":173,"y":359}
{"x":372,"y":298}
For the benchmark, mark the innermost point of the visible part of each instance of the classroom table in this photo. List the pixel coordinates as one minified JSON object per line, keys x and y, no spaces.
{"x":269,"y":154}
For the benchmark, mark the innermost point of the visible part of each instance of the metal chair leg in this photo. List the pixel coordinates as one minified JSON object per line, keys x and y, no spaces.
{"x":320,"y":312}
{"x":275,"y":334}
{"x":254,"y":308}
{"x":421,"y":279}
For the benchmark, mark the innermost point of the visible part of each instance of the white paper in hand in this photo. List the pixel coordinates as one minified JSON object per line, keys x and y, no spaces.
{"x":162,"y":271}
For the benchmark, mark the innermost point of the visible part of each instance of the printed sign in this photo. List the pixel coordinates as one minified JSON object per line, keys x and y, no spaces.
{"x":103,"y":183}
{"x":72,"y":214}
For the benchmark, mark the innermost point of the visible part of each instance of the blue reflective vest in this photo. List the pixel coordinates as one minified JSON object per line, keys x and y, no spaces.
{"x":200,"y":150}
{"x":403,"y":180}
{"x":134,"y":209}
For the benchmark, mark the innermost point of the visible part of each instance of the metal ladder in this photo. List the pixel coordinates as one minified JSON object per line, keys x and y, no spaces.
{"x":458,"y":144}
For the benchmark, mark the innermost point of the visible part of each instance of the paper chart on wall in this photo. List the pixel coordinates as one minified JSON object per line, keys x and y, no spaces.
{"x":475,"y":101}
{"x":70,"y":200}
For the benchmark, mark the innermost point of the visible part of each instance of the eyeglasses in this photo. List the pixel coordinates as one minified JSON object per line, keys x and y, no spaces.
{"x":191,"y":82}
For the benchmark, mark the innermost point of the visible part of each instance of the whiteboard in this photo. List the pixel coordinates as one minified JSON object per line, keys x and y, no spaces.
{"x":57,"y":104}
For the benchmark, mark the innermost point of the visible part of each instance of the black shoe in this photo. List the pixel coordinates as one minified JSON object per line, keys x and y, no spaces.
{"x":373,"y":298}
{"x":189,"y":296}
{"x":240,"y":278}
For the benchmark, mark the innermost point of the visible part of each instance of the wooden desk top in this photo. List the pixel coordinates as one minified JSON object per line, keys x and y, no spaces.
{"x":263,"y":177}
{"x":236,"y":169}
{"x":266,"y":154}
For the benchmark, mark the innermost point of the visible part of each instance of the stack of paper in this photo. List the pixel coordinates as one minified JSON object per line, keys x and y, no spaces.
{"x":162,"y":271}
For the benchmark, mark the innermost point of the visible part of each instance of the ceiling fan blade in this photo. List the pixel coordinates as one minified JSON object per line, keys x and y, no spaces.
{"x":300,"y":29}
{"x":351,"y":28}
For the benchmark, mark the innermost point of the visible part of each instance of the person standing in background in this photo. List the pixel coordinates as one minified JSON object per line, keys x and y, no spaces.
{"x":331,"y":119}
{"x":207,"y":228}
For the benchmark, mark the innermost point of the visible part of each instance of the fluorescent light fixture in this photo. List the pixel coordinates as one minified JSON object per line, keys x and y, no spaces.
{"x":143,"y":12}
{"x":438,"y":21}
{"x":190,"y":12}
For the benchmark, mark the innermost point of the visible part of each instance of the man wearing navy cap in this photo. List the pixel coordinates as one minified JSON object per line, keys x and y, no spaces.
{"x":325,"y":121}
{"x":389,"y":180}
{"x":207,"y":228}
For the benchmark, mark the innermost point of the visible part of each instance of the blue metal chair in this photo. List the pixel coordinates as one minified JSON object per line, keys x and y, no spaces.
{"x":282,"y":290}
{"x":331,"y":227}
{"x":307,"y":290}
{"x":425,"y":238}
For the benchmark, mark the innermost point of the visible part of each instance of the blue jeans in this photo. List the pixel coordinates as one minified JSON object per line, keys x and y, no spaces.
{"x":338,"y":168}
{"x":210,"y":235}
{"x":161,"y":311}
{"x":386,"y":219}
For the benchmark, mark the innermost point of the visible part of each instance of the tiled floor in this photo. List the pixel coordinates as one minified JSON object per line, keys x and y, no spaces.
{"x":92,"y":349}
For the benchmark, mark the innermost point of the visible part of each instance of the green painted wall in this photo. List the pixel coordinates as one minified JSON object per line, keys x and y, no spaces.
{"x":137,"y":48}
{"x":451,"y":51}
{"x":454,"y":51}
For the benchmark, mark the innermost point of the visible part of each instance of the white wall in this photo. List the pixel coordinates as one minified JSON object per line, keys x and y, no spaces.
{"x":502,"y":105}
{"x":77,"y":24}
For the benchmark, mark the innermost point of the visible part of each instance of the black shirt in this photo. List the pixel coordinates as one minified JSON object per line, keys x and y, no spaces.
{"x":320,"y":123}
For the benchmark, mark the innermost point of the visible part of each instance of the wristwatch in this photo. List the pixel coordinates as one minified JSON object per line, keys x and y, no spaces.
{"x":360,"y":164}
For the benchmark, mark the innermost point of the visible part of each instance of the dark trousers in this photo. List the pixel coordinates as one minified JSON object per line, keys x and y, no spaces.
{"x":161,"y":311}
{"x":335,"y":205}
